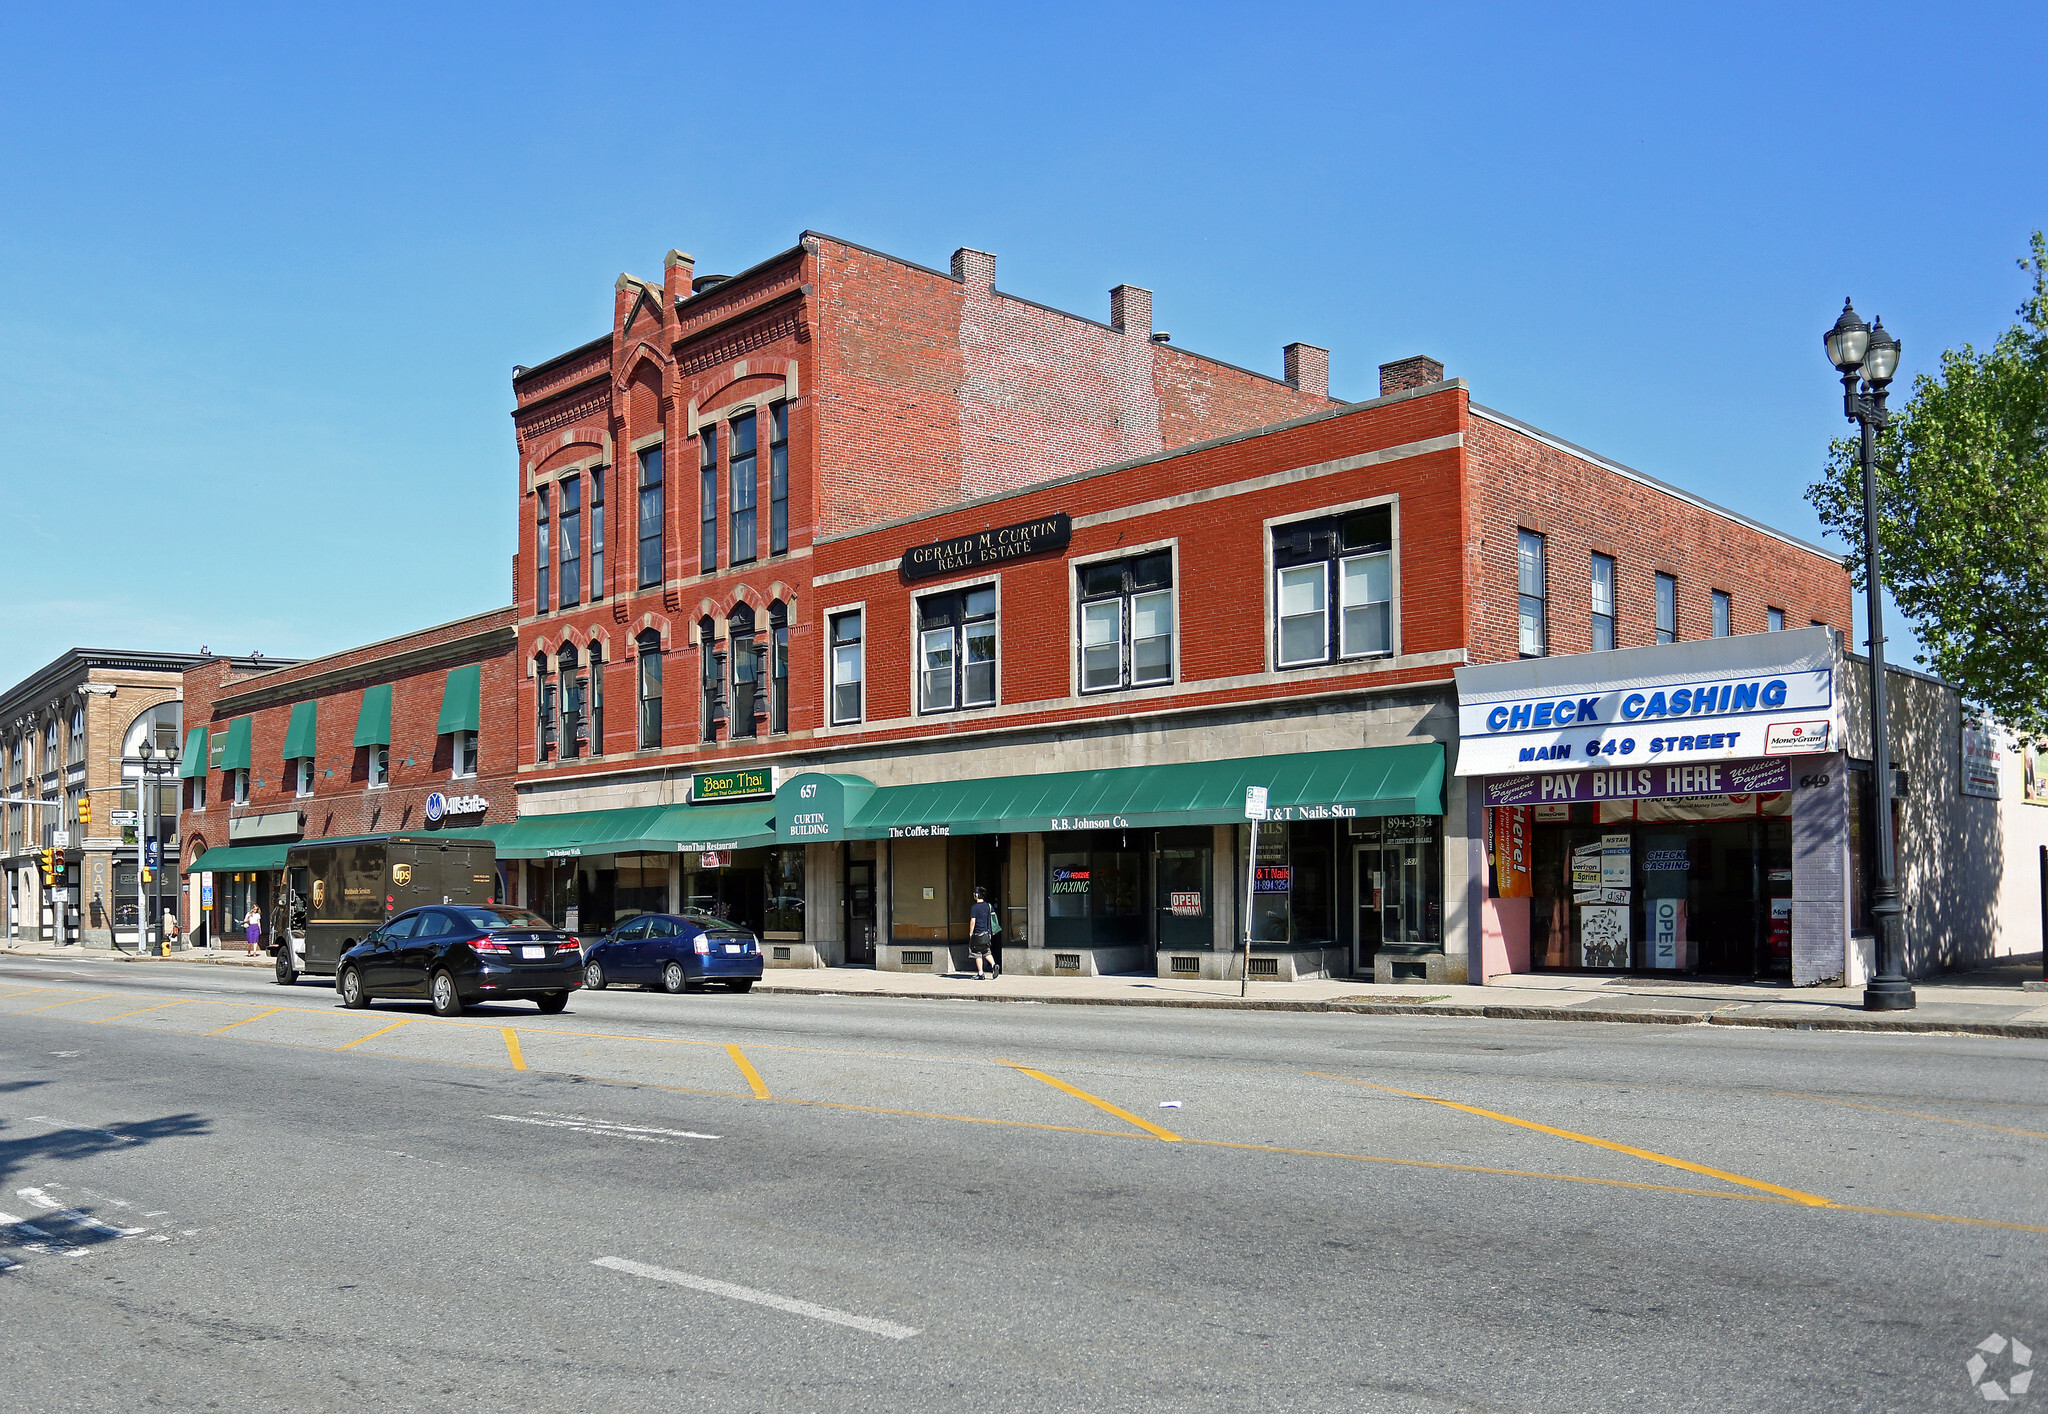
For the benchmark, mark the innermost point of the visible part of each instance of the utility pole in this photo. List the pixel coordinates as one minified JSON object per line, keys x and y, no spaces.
{"x":1254,"y":811}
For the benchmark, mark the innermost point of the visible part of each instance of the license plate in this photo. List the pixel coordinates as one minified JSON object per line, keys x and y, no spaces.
{"x":732,"y":947}
{"x":533,"y":952}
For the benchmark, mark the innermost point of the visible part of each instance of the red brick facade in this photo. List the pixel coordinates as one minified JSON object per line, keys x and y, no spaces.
{"x":416,"y":667}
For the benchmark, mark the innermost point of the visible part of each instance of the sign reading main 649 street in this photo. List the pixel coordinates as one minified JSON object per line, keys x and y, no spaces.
{"x":1006,"y":542}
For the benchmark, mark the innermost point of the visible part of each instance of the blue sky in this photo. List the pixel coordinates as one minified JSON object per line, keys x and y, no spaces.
{"x":264,"y":271}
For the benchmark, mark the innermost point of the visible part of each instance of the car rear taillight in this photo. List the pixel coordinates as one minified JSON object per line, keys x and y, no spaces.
{"x":574,"y":945}
{"x":483,"y":943}
{"x":700,"y":945}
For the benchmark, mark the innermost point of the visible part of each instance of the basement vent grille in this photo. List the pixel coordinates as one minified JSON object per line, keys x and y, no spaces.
{"x":1265,"y":967}
{"x":1187,"y":964}
{"x":781,"y":955}
{"x":917,"y":957}
{"x":1066,"y":961}
{"x":1404,"y":971}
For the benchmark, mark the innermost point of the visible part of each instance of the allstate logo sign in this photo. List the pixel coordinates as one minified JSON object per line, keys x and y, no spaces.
{"x":440,"y":806}
{"x":437,"y":807}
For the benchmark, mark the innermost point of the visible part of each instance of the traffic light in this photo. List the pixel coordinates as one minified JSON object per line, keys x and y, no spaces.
{"x":48,"y":856}
{"x":84,"y":809}
{"x":56,"y":866}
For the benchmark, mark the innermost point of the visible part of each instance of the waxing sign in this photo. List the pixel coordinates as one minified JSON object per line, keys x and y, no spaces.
{"x":989,"y":547}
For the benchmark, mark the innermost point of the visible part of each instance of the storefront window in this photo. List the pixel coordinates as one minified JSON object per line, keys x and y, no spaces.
{"x":642,"y":885}
{"x":785,"y":890}
{"x":1294,"y":885}
{"x":1095,"y":889}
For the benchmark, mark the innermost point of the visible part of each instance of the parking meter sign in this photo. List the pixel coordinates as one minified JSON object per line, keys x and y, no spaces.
{"x":1255,"y":802}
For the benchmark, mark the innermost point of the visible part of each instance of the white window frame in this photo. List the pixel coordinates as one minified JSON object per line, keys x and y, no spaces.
{"x":1523,"y":536}
{"x":1594,"y":561}
{"x":1271,"y":623}
{"x":240,"y":777}
{"x":379,"y":772}
{"x":1775,"y":620}
{"x":302,"y":776}
{"x":917,"y":636}
{"x":831,"y":678}
{"x":199,"y":793}
{"x":1077,"y":606}
{"x":1721,"y":605}
{"x":461,"y":749}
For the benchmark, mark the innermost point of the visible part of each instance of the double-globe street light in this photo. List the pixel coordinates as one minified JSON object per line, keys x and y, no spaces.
{"x":155,"y":766}
{"x":1869,"y":354}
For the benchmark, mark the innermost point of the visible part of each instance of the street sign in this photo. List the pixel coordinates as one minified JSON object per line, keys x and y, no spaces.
{"x":1254,"y":802}
{"x":124,"y":819}
{"x":61,"y":839}
{"x":149,"y":853}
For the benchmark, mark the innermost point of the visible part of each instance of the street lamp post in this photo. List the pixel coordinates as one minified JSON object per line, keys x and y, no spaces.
{"x":1871,"y":355}
{"x":155,"y":766}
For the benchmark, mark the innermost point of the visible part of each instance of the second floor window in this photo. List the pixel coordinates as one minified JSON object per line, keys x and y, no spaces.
{"x":1776,"y":619}
{"x":76,"y":755}
{"x":542,"y":601}
{"x":1127,"y":622}
{"x":572,"y":685}
{"x":1667,"y":609}
{"x":596,"y":699}
{"x":745,"y":545}
{"x":380,"y":767}
{"x":778,"y":668}
{"x":712,"y":672}
{"x":50,"y":748}
{"x":1722,"y":614}
{"x":1603,"y":603}
{"x":1533,"y":630}
{"x":778,"y":479}
{"x":847,"y":668}
{"x":746,"y":671}
{"x":1344,"y":561}
{"x":956,"y":647}
{"x":650,"y":688}
{"x":572,"y":541}
{"x":198,"y":792}
{"x":707,"y":497}
{"x":544,"y":710}
{"x":302,"y":775}
{"x":597,"y":533}
{"x":239,"y":783}
{"x":653,"y":514}
{"x":462,"y":762}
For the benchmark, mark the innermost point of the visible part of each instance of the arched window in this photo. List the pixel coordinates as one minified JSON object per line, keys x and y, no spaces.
{"x":596,"y":699}
{"x":746,"y":671}
{"x":778,"y":667}
{"x":544,"y":709}
{"x":571,"y":682}
{"x":649,"y":647}
{"x":712,"y":669}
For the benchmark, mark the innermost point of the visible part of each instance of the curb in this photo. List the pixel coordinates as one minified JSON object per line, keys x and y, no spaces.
{"x":2028,"y":1031}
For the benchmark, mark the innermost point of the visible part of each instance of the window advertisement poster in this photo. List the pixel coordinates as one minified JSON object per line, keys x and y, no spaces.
{"x":1603,"y":935}
{"x":1586,"y":873}
{"x":1981,"y":759}
{"x":1667,"y":932}
{"x":1511,"y":852}
{"x":1614,"y":863}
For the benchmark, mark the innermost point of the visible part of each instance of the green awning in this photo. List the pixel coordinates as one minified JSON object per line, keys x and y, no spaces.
{"x":462,"y":701}
{"x":303,"y":731}
{"x":373,"y":720}
{"x":246,"y":858}
{"x":665,"y":829}
{"x":193,"y":762}
{"x":234,"y":756}
{"x":1314,"y":785}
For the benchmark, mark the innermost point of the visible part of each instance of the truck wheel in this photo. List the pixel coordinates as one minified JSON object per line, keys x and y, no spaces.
{"x":593,"y":976}
{"x":287,"y":974}
{"x":447,"y":1001}
{"x":351,"y":987}
{"x":672,"y":978}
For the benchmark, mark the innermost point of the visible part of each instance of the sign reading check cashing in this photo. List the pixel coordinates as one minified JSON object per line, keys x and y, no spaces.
{"x":989,"y":547}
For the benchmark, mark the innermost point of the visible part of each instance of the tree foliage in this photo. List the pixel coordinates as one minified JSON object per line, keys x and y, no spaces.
{"x":1962,"y":509}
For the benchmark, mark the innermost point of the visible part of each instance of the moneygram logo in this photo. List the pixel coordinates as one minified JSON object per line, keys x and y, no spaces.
{"x":2010,"y":1377}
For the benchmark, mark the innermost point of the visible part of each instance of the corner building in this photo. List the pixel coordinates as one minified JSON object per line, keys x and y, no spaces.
{"x":847,"y":586}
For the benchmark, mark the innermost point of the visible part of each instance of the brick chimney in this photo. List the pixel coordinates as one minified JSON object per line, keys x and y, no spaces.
{"x":677,"y":270}
{"x":1308,"y":369}
{"x":1405,"y":373}
{"x":974,"y":268}
{"x":1130,"y":310}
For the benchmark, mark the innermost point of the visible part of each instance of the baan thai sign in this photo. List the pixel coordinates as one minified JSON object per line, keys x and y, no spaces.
{"x":989,"y":547}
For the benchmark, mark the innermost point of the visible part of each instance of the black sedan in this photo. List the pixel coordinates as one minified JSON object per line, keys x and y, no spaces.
{"x":459,"y":954}
{"x":678,"y":952}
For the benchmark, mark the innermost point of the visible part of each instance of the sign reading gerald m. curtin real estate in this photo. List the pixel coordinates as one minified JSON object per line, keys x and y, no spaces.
{"x":988,"y":547}
{"x":1715,"y":699}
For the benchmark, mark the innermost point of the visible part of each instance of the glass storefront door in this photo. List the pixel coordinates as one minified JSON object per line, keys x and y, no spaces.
{"x":860,"y":910}
{"x":1183,"y":893}
{"x":1398,"y":884}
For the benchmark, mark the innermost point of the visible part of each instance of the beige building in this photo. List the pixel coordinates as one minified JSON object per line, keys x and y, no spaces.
{"x":72,"y":731}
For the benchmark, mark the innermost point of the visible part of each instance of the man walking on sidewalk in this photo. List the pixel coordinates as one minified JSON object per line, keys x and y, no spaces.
{"x":980,"y":932}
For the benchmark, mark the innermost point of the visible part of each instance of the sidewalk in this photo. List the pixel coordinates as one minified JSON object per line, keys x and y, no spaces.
{"x":1992,"y":1002}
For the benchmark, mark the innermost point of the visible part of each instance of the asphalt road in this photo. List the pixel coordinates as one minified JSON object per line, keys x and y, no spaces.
{"x":219,"y":1194}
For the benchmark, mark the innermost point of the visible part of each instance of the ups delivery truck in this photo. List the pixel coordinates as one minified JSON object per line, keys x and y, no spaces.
{"x":344,"y":888}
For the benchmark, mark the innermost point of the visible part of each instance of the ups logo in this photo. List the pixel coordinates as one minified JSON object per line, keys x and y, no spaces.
{"x":401,"y":874}
{"x":319,"y":893}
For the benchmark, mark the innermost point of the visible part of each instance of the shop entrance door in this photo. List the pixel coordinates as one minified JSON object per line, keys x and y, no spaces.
{"x":1371,"y":893}
{"x":1396,"y":896}
{"x":860,"y":910}
{"x":1181,"y":892}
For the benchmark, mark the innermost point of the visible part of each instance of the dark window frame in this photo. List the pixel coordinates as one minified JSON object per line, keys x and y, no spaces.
{"x":653,"y":515}
{"x":1602,"y":619}
{"x":1362,"y":538}
{"x":743,"y":481}
{"x":647,"y":688}
{"x":1667,"y":607}
{"x":1532,"y":593}
{"x":597,"y":586}
{"x":1723,"y":609}
{"x":707,"y":497}
{"x":835,"y":643}
{"x":569,"y":538}
{"x":971,"y":620}
{"x":1124,"y":582}
{"x":778,"y":478}
{"x":542,"y":534}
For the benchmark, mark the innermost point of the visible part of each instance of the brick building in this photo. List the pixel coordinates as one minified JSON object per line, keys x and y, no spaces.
{"x":70,"y":732}
{"x":414,"y":733}
{"x":1031,"y":600}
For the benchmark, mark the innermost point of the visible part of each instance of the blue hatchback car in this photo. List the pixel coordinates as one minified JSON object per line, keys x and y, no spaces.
{"x":678,"y":952}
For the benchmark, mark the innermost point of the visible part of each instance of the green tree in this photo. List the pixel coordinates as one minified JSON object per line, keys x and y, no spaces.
{"x":1962,"y":510}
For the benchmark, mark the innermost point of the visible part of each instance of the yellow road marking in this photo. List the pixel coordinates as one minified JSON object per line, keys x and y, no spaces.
{"x":1791,"y":1194}
{"x":92,"y":997}
{"x":754,"y":1081}
{"x":1939,"y":1218}
{"x":1912,"y":1114}
{"x":245,"y":1021}
{"x":1105,"y":1106}
{"x":374,"y":1034}
{"x":140,"y":1010}
{"x":26,"y":992}
{"x":511,"y":1048}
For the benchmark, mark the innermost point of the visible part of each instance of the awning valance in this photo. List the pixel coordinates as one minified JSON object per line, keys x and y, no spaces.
{"x":193,"y":762}
{"x":373,"y":719}
{"x":247,"y":858}
{"x":461,"y":701}
{"x":234,"y":753}
{"x":662,"y":828}
{"x":1314,"y":785}
{"x":303,"y":731}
